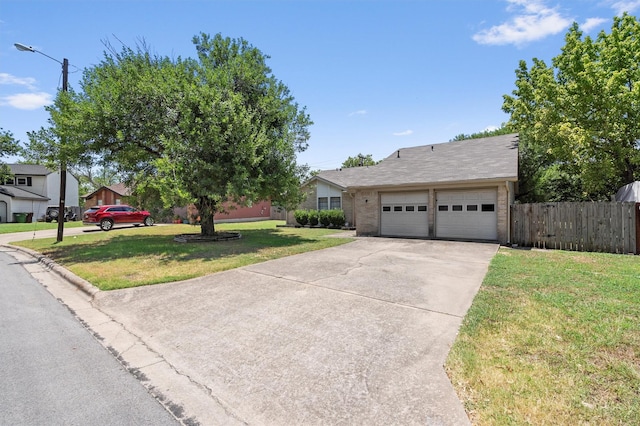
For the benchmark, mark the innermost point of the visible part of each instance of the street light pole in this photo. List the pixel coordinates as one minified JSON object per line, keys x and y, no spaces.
{"x":63,"y":161}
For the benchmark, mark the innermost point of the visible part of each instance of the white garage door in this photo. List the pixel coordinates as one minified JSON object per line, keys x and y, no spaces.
{"x":467,"y":214}
{"x":404,"y":214}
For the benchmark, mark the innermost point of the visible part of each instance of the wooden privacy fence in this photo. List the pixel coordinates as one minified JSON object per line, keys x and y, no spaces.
{"x":612,"y":227}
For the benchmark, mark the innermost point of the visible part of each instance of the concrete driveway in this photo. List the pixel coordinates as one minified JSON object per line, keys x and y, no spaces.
{"x":355,"y":334}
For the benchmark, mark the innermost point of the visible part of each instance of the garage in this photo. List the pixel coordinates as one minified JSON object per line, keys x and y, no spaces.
{"x":404,"y":214}
{"x":469,"y":214}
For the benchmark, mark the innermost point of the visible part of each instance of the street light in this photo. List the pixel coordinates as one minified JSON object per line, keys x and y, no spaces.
{"x":63,"y":163}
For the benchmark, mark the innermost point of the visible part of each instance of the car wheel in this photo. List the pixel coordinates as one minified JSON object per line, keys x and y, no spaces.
{"x":148,"y":221}
{"x":106,"y":224}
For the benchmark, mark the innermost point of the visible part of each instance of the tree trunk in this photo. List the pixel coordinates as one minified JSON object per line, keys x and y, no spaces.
{"x":206,"y":208}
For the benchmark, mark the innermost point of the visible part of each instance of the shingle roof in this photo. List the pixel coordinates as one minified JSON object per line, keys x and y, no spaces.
{"x":468,"y":160}
{"x":14,"y":192}
{"x":29,"y":169}
{"x":118,"y":188}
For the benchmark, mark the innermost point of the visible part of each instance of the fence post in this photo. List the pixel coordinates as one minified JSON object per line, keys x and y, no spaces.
{"x":637,"y":209}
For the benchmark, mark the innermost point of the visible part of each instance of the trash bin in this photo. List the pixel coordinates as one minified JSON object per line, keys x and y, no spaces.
{"x":29,"y":217}
{"x":20,"y":217}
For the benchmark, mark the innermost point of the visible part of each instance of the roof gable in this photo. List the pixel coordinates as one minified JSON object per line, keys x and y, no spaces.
{"x":119,"y":188}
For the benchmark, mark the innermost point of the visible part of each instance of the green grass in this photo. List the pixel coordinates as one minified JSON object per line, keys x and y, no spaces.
{"x":552,"y":337}
{"x":9,"y":228}
{"x":133,"y":257}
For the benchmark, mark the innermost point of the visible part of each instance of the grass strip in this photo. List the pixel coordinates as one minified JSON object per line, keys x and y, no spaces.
{"x":10,"y":228}
{"x":552,"y":337}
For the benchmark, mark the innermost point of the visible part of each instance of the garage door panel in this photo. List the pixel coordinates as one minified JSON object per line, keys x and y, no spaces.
{"x":467,"y":214}
{"x":404,"y":214}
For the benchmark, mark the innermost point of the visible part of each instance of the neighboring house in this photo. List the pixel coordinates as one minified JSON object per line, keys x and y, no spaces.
{"x":261,"y":210}
{"x":119,"y":193}
{"x":455,"y":190}
{"x":112,"y":194}
{"x":31,"y":188}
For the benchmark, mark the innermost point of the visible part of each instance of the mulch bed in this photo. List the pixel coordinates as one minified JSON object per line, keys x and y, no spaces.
{"x":199,"y":238}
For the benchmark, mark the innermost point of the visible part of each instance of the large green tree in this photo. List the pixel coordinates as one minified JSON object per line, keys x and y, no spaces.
{"x":579,"y":119}
{"x":206,"y":130}
{"x":359,"y":161}
{"x":504,"y":129}
{"x":8,"y":146}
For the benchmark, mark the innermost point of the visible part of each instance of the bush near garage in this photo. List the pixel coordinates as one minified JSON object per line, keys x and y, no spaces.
{"x":301,"y":216}
{"x":324,"y":217}
{"x":337,"y":218}
{"x":314,"y":217}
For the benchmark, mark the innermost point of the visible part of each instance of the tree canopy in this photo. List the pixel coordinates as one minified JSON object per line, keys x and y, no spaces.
{"x":207,"y":130}
{"x":579,"y":119}
{"x":8,"y":146}
{"x":359,"y":161}
{"x":504,"y":129}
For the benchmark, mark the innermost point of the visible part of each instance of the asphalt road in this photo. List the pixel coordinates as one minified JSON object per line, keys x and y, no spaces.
{"x":52,"y":369}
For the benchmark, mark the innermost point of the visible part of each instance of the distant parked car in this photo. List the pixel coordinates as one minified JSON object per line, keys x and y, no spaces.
{"x":106,"y":217}
{"x":52,"y":214}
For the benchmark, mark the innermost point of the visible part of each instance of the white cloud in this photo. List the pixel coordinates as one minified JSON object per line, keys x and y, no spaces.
{"x":491,"y":128}
{"x":592,"y":23}
{"x":27,"y":101}
{"x":625,"y":6}
{"x":405,"y":133}
{"x":12,"y":79}
{"x":359,"y":112}
{"x":533,"y":20}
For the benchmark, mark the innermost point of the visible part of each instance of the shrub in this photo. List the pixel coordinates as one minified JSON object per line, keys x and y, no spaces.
{"x":337,"y":218}
{"x":313,"y":217}
{"x":325,"y":217}
{"x":301,"y":216}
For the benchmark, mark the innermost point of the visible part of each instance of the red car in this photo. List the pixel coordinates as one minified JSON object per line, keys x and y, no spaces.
{"x":107,"y":216}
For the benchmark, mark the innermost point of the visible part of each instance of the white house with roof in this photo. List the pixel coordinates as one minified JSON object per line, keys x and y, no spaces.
{"x":454,"y":190}
{"x":31,"y":188}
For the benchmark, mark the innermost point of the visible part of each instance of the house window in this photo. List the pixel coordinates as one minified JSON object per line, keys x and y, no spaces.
{"x":9,"y":181}
{"x":323,"y":203}
{"x":472,"y":208}
{"x":456,"y":208}
{"x":409,"y":208}
{"x":386,"y":208}
{"x":397,"y":208}
{"x":99,"y":202}
{"x":422,"y":208}
{"x":118,"y":201}
{"x":488,"y":207}
{"x":21,"y":181}
{"x":443,"y":208}
{"x":334,"y":203}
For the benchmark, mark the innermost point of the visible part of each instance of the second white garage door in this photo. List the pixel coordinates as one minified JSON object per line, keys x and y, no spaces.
{"x":467,"y":214}
{"x":404,"y":214}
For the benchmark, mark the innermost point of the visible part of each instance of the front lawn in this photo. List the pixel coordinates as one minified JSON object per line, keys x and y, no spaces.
{"x":130,"y":257}
{"x":553,"y":337}
{"x":10,"y":228}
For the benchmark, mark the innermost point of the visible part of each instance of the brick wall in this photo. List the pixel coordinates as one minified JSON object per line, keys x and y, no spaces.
{"x":367,"y":207}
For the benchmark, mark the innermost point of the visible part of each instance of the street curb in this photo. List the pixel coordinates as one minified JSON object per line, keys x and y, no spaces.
{"x":82,"y":284}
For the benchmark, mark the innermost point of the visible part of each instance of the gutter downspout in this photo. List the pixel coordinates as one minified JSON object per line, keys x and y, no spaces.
{"x":508,"y":214}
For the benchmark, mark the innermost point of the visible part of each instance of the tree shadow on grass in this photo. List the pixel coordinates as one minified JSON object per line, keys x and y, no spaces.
{"x":164,"y":249}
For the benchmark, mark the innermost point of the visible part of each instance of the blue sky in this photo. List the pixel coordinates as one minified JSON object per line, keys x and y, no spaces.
{"x":375,"y":75}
